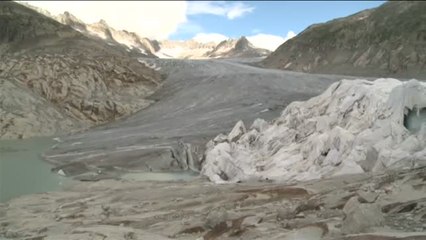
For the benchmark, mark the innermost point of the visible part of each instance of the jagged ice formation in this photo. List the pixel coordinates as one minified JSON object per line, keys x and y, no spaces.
{"x":355,"y":126}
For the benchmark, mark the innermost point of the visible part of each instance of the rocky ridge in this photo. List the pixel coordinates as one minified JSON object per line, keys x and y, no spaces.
{"x":189,"y":49}
{"x":130,"y":41}
{"x":388,"y":41}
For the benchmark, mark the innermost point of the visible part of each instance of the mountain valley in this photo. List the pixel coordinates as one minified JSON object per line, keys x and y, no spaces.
{"x":322,"y":139}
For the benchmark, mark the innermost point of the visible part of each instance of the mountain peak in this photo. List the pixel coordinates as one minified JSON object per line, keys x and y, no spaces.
{"x":236,"y":48}
{"x":243,"y":43}
{"x":102,"y":22}
{"x":243,"y":38}
{"x":67,"y":16}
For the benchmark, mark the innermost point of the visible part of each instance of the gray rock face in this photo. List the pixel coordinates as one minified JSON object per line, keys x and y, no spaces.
{"x":26,"y":28}
{"x":386,"y":41}
{"x":82,"y":82}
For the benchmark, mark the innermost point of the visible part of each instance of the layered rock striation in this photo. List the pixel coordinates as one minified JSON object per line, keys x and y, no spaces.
{"x":56,"y":80}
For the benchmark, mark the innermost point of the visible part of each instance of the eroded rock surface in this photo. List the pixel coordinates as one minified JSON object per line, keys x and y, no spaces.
{"x":321,"y":209}
{"x":25,"y":114}
{"x":89,"y":89}
{"x":81,"y":81}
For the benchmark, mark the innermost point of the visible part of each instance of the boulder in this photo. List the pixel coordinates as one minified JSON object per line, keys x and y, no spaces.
{"x":215,"y":217}
{"x":361,"y":217}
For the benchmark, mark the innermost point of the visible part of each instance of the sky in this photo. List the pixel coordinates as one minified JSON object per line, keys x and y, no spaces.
{"x":266,"y":24}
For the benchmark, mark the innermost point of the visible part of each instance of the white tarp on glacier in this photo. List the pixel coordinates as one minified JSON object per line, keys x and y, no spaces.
{"x":354,"y":126}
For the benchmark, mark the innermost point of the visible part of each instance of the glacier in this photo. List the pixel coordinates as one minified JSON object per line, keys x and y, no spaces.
{"x":355,"y":126}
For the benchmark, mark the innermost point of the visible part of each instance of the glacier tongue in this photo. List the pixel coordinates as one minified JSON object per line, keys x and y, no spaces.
{"x":355,"y":126}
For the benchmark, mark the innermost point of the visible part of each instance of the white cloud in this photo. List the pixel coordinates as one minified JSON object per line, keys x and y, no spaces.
{"x":290,"y":34}
{"x":209,"y":37}
{"x":238,"y":10}
{"x":160,"y":19}
{"x":269,"y":41}
{"x":221,"y":8}
{"x":154,"y":19}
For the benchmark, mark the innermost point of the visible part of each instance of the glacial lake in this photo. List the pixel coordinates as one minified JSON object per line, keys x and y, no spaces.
{"x":22,"y":170}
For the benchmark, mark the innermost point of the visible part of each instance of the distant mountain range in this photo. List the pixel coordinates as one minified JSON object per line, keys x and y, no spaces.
{"x":236,"y":48}
{"x":188,"y":49}
{"x":389,"y":40}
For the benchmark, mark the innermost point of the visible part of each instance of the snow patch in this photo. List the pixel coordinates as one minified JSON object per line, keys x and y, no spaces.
{"x":143,"y":51}
{"x":175,"y":52}
{"x":149,"y":65}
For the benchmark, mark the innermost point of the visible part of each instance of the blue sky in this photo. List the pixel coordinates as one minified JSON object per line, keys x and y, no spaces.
{"x":267,"y":17}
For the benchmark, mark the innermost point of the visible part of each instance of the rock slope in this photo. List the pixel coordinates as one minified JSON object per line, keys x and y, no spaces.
{"x":388,"y":41}
{"x":85,"y":81}
{"x":355,"y":126}
{"x":25,"y":114}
